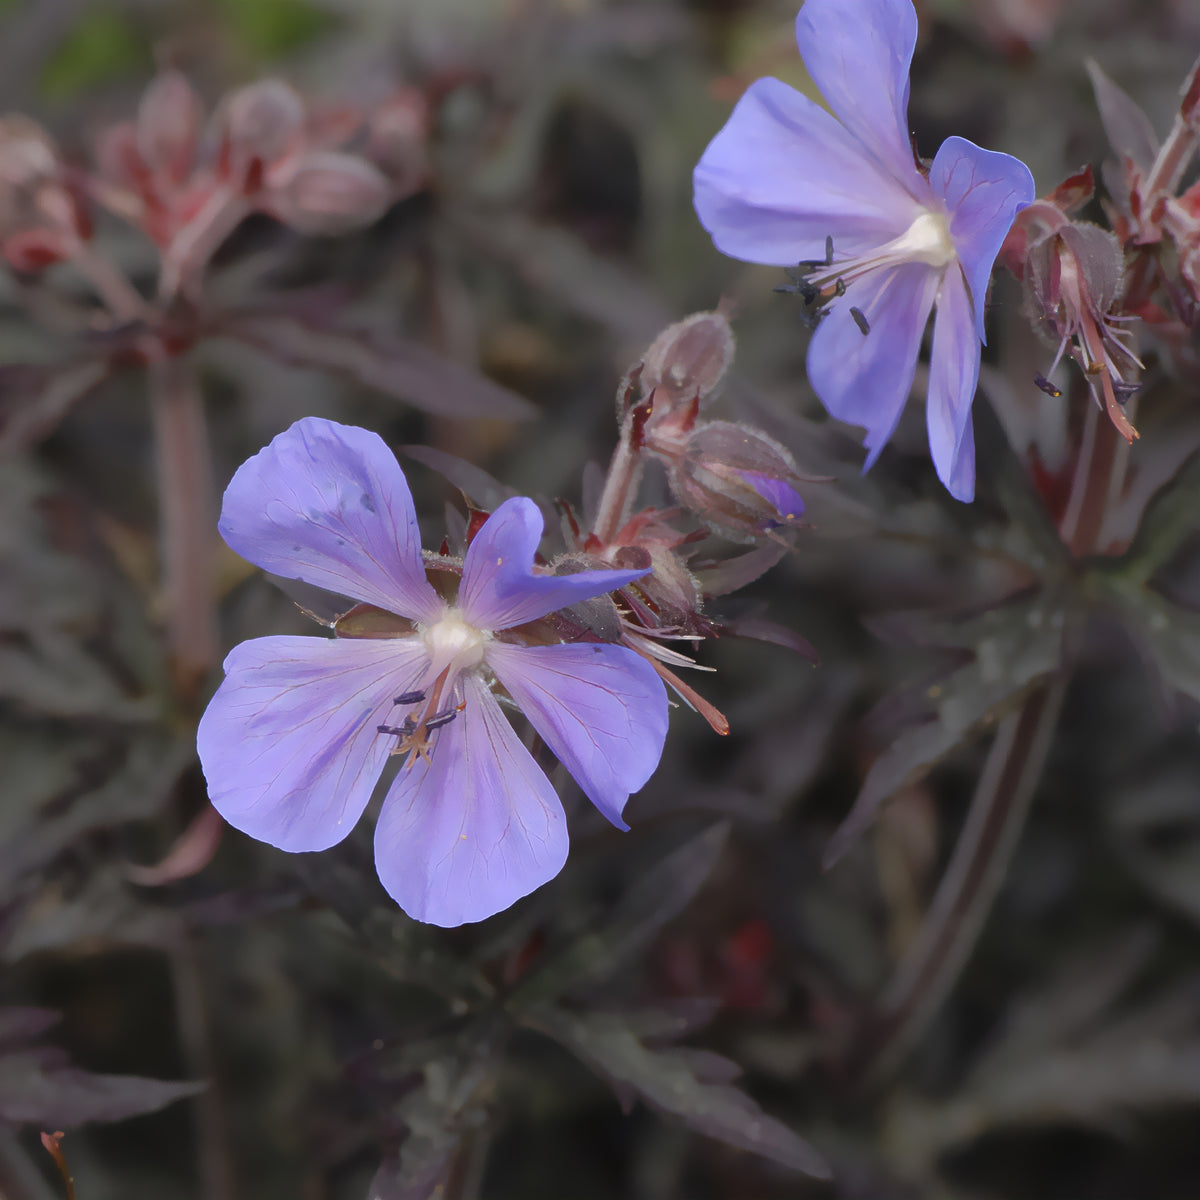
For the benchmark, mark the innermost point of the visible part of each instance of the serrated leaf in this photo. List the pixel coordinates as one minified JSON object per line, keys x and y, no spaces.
{"x":663,"y":890}
{"x":402,"y":369}
{"x":436,"y":1116}
{"x":686,"y":1084}
{"x":1014,"y":649}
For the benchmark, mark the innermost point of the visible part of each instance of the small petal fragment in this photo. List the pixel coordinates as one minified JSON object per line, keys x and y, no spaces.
{"x":953,"y":376}
{"x":290,"y":744}
{"x":601,"y":709}
{"x":328,"y":504}
{"x":470,"y":832}
{"x":499,"y":587}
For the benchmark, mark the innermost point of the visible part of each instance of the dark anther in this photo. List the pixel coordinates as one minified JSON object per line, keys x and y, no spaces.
{"x":399,"y":730}
{"x":1047,"y":386}
{"x":1122,"y":390}
{"x":410,"y":697}
{"x":864,"y":326}
{"x":438,"y":719}
{"x":839,"y":287}
{"x":828,"y":250}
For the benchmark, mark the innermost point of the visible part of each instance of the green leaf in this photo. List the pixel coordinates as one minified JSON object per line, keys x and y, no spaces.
{"x":691,"y":1085}
{"x":101,"y":47}
{"x":270,"y":28}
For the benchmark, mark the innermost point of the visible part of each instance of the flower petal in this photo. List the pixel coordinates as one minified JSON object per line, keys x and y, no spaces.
{"x":953,"y":375}
{"x":499,"y":588}
{"x":328,"y":504}
{"x":782,"y":175}
{"x":472,"y":831}
{"x":983,"y":190}
{"x":602,"y":709}
{"x":289,"y":743}
{"x":865,"y":379}
{"x":858,"y":53}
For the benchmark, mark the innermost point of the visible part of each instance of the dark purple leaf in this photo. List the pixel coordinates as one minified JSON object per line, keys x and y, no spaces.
{"x":474,"y":483}
{"x":676,"y":1083}
{"x":762,"y":630}
{"x":1128,"y":128}
{"x":663,"y":891}
{"x":40,"y":1087}
{"x":731,"y":574}
{"x":402,"y":369}
{"x":1015,"y":648}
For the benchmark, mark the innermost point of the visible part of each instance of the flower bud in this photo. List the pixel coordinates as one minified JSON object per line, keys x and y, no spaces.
{"x":260,"y":123}
{"x":738,"y":481}
{"x":168,"y":125}
{"x":326,"y":192}
{"x":689,"y":358}
{"x":397,"y":136}
{"x":28,"y":160}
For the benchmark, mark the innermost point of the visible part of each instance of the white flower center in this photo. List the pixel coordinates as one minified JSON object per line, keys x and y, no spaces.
{"x":926,"y":240}
{"x":453,"y":641}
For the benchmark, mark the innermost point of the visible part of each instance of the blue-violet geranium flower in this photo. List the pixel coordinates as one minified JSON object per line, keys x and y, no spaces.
{"x":298,"y":734}
{"x":784,"y":180}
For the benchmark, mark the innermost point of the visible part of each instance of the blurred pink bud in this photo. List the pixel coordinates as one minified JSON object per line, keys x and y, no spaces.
{"x":397,"y":139}
{"x":168,"y":125}
{"x":259,"y":124}
{"x":33,"y":193}
{"x":118,"y":158}
{"x":689,"y":358}
{"x":33,"y":250}
{"x":738,"y":481}
{"x":325,"y":192}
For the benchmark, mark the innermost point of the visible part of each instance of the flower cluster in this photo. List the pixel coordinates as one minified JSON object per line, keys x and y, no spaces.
{"x":296,"y":738}
{"x":877,"y":239}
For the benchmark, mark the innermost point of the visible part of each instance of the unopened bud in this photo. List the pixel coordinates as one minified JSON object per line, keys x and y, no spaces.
{"x":260,"y":123}
{"x":329,"y":193}
{"x":689,"y":358}
{"x":397,"y":137}
{"x":738,"y":481}
{"x":168,"y":125}
{"x":28,"y":158}
{"x":33,"y":250}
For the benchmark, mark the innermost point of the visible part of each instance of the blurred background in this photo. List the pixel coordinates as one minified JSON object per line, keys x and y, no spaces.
{"x":233,"y":1022}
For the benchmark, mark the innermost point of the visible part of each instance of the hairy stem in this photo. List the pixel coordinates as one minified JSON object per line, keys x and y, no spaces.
{"x":186,"y":520}
{"x":624,"y":472}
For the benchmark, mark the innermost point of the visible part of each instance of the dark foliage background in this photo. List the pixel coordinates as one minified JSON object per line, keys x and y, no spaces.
{"x":282,"y":1030}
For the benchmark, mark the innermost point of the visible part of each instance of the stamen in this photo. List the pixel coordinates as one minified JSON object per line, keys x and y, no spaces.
{"x":410,"y":697}
{"x":1047,"y":386}
{"x":860,"y":320}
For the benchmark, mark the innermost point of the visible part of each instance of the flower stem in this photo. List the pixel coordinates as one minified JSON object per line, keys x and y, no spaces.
{"x":186,"y":519}
{"x":974,"y":874}
{"x":624,"y":472}
{"x":1001,"y":801}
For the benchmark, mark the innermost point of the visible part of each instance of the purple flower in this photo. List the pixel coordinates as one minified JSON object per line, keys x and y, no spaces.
{"x":298,"y":734}
{"x":784,"y":176}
